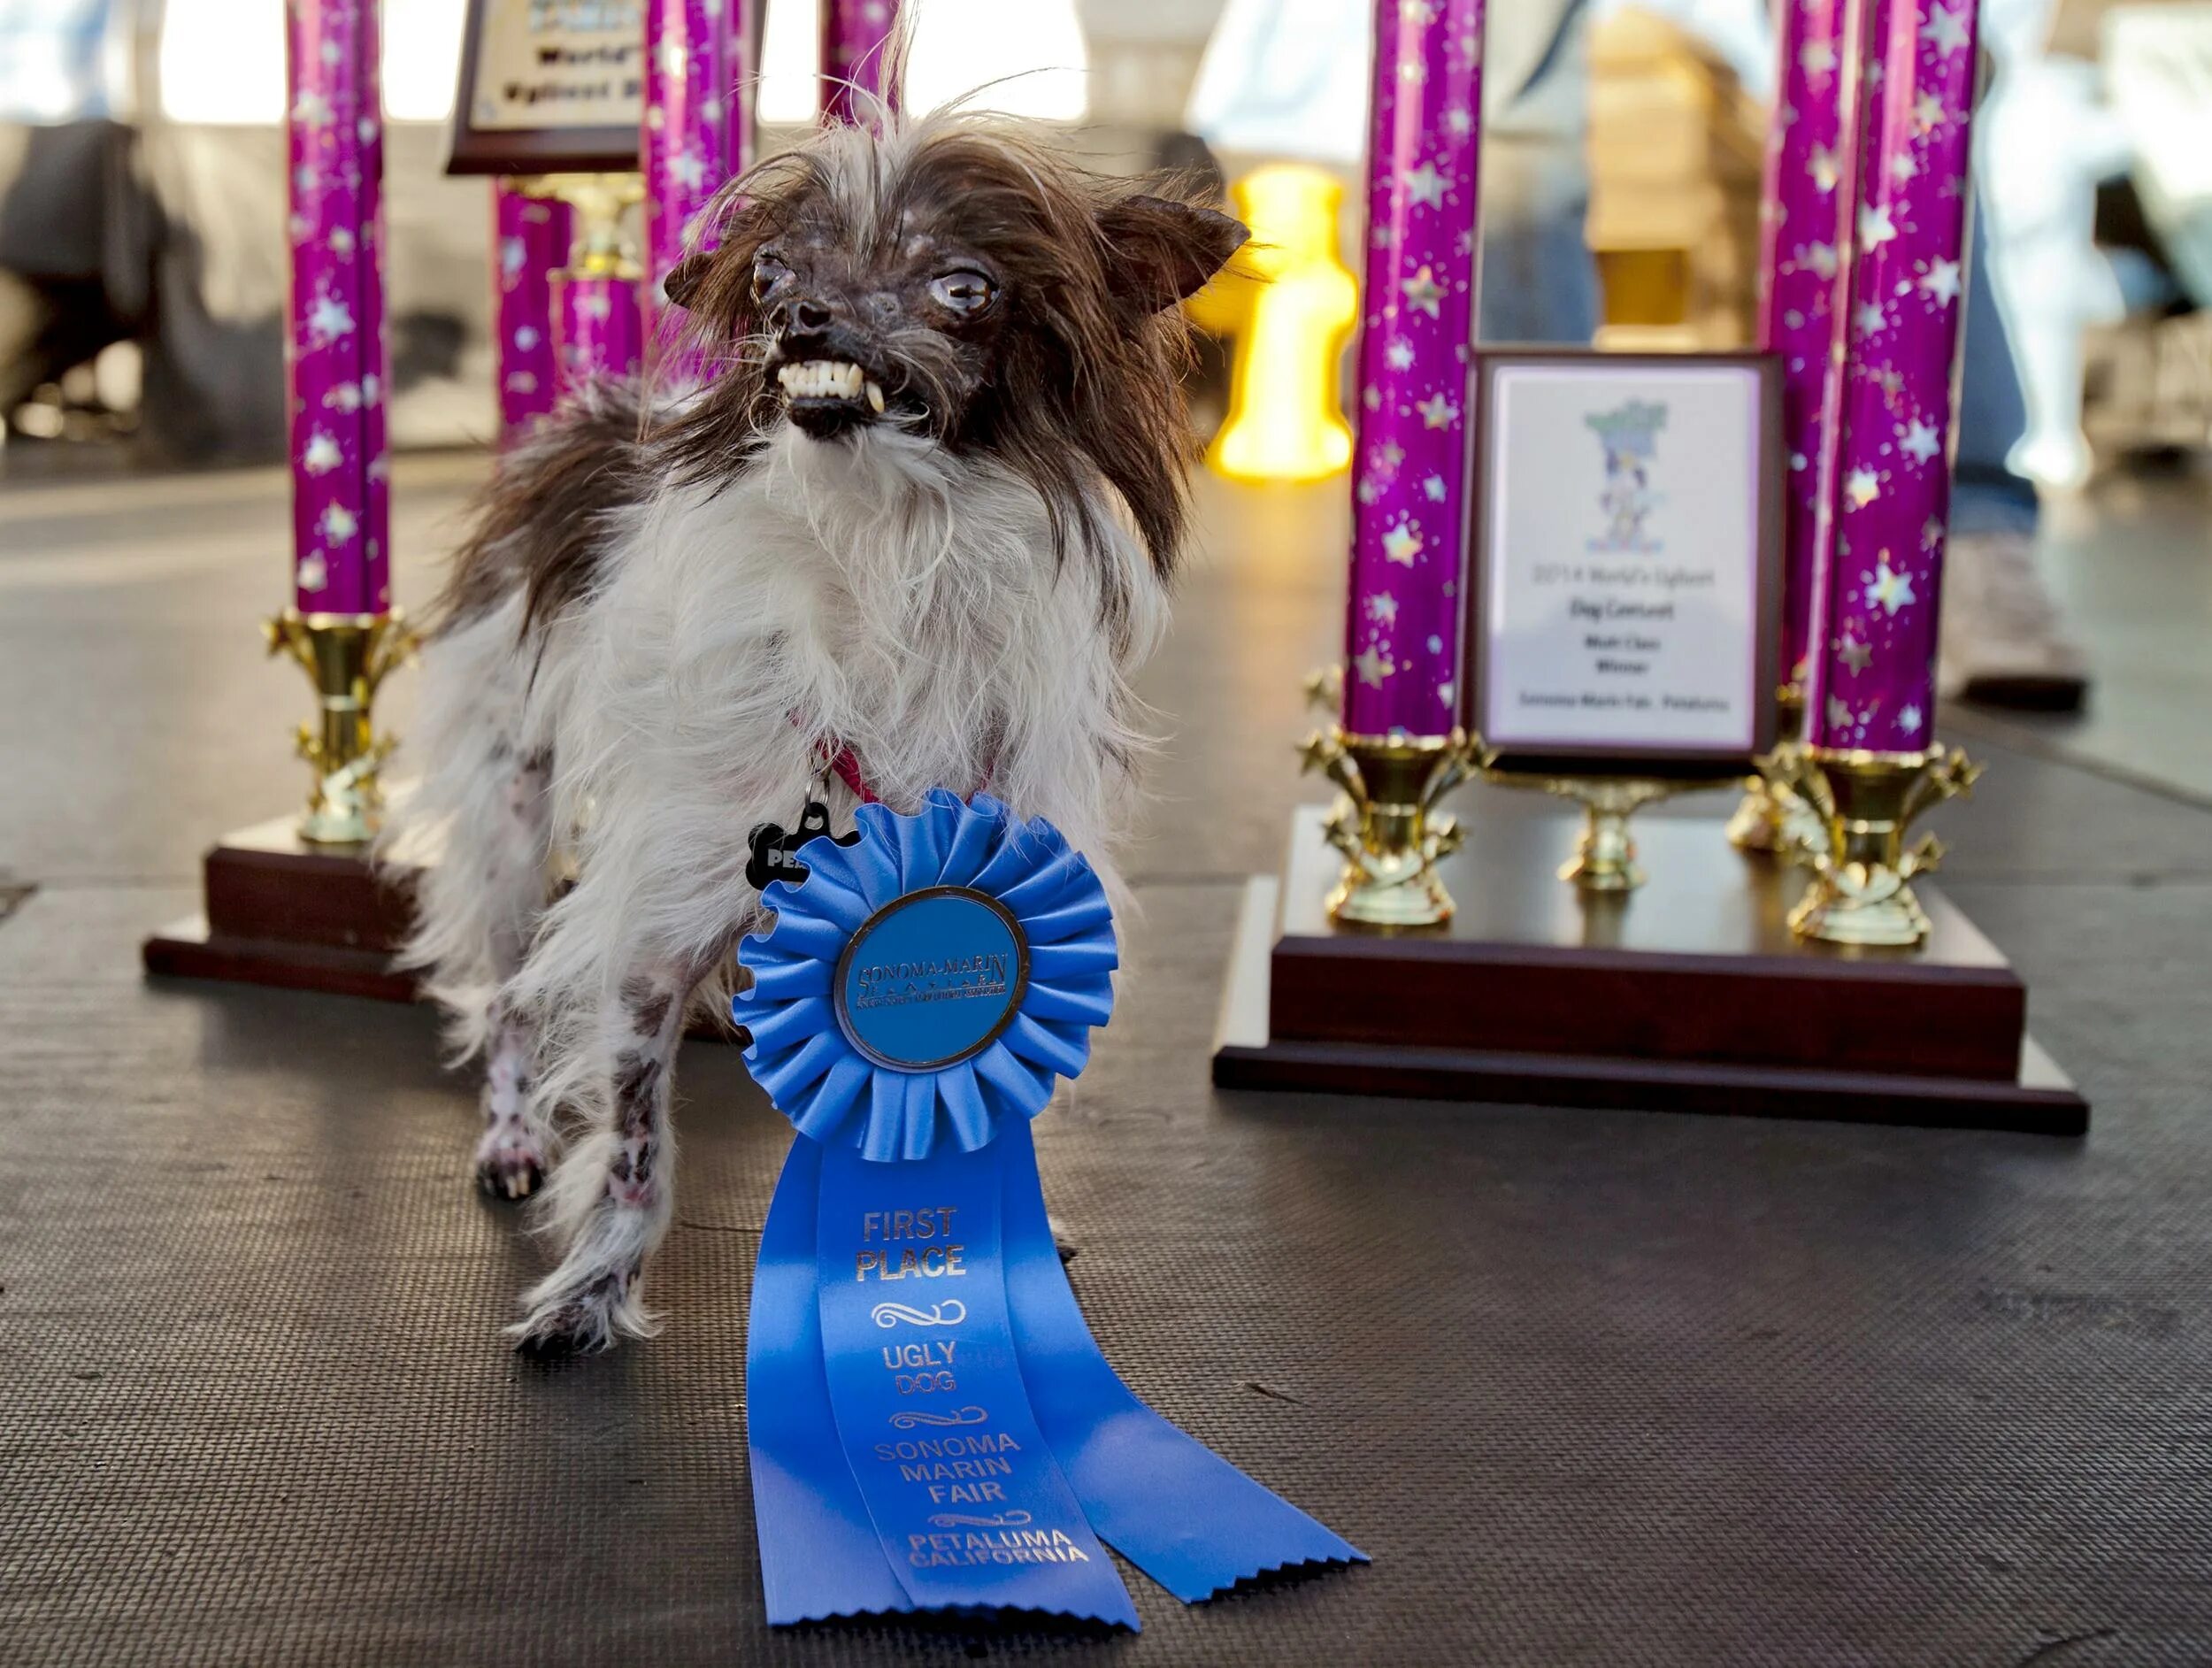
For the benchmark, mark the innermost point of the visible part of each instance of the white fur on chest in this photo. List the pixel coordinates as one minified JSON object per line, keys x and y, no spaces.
{"x":876,"y":594}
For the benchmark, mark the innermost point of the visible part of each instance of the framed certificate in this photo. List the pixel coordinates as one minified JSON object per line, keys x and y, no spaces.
{"x":1624,"y":590}
{"x":549,"y":86}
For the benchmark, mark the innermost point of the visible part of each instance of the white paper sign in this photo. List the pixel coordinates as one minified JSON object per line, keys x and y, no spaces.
{"x":1620,"y":584}
{"x":555,"y":63}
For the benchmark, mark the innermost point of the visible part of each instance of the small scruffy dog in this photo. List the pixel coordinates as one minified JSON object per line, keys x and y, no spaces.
{"x":917,"y":533}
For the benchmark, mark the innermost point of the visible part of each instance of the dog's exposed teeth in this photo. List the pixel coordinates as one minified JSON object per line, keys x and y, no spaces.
{"x":875,"y":398}
{"x":828,"y":380}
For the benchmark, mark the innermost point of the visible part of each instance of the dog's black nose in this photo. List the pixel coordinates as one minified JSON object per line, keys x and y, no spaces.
{"x":802,"y":316}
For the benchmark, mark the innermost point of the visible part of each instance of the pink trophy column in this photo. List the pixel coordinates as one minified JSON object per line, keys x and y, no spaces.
{"x":334,"y":347}
{"x":598,"y":319}
{"x":1408,"y":543}
{"x":532,"y":237}
{"x":1806,"y":228}
{"x":853,"y":37}
{"x":601,"y":329}
{"x":698,"y":131}
{"x":1887,"y":483}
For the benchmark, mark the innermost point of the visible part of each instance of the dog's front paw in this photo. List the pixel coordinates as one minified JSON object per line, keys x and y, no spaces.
{"x":510,"y":1164}
{"x":587,"y":1320}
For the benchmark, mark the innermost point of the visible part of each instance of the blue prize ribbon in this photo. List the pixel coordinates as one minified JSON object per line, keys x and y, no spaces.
{"x":932,"y":1426}
{"x":819,"y":1555}
{"x":965,"y":1492}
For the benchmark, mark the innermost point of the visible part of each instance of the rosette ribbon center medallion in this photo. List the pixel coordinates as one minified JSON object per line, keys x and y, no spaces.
{"x":932,"y":1425}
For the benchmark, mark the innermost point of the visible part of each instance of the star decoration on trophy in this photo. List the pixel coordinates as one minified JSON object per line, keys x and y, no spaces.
{"x":1889,"y":590}
{"x":1921,"y":441}
{"x":339,"y":524}
{"x":1373,"y":666}
{"x":1944,"y":30}
{"x":1401,"y":543}
{"x":320,"y":455}
{"x":1941,"y":281}
{"x":1437,"y":411}
{"x":1383,"y":607}
{"x":1425,"y":187}
{"x":1862,"y":488}
{"x":1876,"y":226}
{"x":328,"y":320}
{"x":1821,"y":164}
{"x":1869,"y":319}
{"x":1423,"y":293}
{"x":1853,"y":653}
{"x":1399,"y":354}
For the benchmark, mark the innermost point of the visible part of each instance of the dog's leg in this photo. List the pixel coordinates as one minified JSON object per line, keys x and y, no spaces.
{"x":516,"y":1144}
{"x":610,"y":1197}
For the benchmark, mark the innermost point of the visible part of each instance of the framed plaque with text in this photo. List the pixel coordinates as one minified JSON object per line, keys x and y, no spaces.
{"x":549,"y":86}
{"x":1624,"y":590}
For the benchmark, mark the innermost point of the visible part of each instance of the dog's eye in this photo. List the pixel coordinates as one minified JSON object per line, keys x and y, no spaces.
{"x":768,"y":272}
{"x":962,"y":291}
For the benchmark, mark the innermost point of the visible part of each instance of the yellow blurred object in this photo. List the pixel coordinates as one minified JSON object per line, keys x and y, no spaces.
{"x":1292,"y":303}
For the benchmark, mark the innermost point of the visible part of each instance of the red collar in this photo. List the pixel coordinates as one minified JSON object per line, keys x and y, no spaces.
{"x":845,"y":762}
{"x":840,"y":758}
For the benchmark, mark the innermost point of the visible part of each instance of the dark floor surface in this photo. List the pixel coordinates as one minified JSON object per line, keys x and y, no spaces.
{"x":1591,"y":1389}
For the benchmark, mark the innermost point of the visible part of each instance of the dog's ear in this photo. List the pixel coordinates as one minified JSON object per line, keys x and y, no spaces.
{"x":1165,"y":251}
{"x":684,"y":279}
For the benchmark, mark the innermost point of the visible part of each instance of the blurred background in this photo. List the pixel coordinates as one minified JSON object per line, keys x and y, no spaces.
{"x":142,"y":255}
{"x":141,"y":201}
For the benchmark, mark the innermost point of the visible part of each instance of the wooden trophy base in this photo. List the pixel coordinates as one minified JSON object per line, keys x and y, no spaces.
{"x":282,"y":912}
{"x":1690,"y":994}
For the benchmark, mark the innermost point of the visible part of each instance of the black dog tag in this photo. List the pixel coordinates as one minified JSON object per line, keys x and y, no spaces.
{"x":775,"y":853}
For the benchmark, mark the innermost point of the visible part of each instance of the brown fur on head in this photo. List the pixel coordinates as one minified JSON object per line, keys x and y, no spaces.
{"x":997,"y":298}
